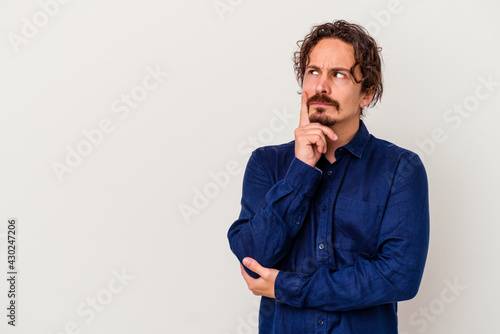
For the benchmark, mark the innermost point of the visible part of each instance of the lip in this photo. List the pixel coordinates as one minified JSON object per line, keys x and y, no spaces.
{"x":321,"y":104}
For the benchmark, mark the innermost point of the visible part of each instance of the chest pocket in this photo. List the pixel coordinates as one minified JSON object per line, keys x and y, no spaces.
{"x":356,"y":226}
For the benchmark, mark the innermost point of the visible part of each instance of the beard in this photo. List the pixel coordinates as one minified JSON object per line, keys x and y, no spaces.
{"x":319,"y":115}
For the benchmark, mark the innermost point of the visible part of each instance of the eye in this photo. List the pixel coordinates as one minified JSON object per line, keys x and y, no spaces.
{"x":314,"y":72}
{"x":339,"y":75}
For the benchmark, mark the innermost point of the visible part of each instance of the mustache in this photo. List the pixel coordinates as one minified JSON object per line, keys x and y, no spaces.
{"x":323,"y":99}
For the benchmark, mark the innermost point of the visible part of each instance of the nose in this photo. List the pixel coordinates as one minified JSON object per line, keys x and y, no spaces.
{"x":323,"y":85}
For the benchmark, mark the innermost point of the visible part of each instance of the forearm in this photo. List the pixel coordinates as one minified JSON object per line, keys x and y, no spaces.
{"x":392,"y":274}
{"x":272,"y":214}
{"x":366,"y":284}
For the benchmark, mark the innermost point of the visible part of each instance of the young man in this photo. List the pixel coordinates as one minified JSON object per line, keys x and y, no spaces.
{"x":334,"y":226}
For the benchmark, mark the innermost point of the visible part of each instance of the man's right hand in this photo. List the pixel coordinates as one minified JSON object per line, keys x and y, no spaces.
{"x":310,"y":138}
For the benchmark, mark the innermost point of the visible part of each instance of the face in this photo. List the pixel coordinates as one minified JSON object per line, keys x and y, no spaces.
{"x":334,"y":97}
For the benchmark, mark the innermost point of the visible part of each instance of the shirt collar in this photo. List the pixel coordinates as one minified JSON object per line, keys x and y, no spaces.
{"x":358,"y":143}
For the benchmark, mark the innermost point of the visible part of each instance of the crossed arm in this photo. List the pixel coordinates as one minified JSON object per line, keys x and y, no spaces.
{"x":393,"y":275}
{"x":264,"y":285}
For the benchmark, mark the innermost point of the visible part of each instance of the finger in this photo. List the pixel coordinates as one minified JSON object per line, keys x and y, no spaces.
{"x":304,"y":111}
{"x":245,"y":274}
{"x":315,"y":135}
{"x":321,"y":145}
{"x":253,"y":265}
{"x":329,"y":132}
{"x":319,"y":140}
{"x":326,"y":130}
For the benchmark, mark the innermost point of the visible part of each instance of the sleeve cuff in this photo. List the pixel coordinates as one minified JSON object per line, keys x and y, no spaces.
{"x":302,"y":176}
{"x":287,"y":288}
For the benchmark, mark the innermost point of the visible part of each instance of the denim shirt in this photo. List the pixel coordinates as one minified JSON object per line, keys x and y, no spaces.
{"x":350,"y":238}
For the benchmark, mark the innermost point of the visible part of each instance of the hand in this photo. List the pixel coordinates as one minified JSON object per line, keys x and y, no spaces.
{"x":264,"y":285}
{"x":310,"y":138}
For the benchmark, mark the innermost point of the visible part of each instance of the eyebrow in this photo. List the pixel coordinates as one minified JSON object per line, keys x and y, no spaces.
{"x":334,"y":69}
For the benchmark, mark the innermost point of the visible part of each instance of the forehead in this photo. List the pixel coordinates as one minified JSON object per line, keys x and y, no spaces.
{"x":332,"y":52}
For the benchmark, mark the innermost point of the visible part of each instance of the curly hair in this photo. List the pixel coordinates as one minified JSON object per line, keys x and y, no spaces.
{"x":366,"y":54}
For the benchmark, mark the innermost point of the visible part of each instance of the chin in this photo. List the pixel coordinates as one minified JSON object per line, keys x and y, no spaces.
{"x":322,"y":119}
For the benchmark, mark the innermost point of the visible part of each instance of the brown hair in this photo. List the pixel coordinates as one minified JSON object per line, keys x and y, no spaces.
{"x":366,"y":54}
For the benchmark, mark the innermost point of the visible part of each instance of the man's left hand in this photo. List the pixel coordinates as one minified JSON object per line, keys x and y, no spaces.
{"x":264,"y":285}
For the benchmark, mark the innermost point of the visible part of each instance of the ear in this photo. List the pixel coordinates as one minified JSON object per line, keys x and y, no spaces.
{"x":366,"y":98}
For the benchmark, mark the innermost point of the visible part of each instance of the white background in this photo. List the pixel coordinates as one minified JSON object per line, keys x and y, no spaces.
{"x":229,"y":73}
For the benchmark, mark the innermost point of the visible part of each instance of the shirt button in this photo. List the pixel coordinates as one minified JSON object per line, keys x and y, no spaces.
{"x":321,"y":246}
{"x":329,"y":173}
{"x":297,"y":223}
{"x":321,"y":322}
{"x":323,"y":208}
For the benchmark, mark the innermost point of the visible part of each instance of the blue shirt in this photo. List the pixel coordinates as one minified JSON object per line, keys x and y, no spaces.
{"x":350,"y":238}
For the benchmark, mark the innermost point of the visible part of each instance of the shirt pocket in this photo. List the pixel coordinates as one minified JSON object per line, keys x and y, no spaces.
{"x":356,"y":226}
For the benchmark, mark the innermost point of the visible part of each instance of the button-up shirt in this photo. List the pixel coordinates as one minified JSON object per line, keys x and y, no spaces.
{"x":350,"y":238}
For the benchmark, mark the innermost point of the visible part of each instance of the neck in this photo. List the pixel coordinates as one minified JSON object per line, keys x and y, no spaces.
{"x":345,"y":134}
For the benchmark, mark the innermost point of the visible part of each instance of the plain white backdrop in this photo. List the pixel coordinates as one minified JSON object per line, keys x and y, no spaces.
{"x":126,"y":127}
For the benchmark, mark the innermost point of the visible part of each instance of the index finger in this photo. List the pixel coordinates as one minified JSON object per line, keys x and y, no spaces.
{"x":304,"y":111}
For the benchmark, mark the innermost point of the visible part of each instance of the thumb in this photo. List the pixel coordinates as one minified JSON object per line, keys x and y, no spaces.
{"x":253,"y":265}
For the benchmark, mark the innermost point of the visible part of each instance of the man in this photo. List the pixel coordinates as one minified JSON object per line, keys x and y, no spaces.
{"x":334,"y":226}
